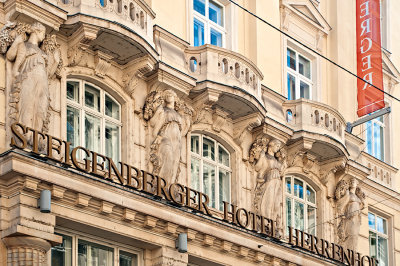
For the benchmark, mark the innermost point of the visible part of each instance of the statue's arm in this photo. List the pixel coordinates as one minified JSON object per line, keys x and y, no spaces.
{"x":53,"y":63}
{"x":157,"y":121}
{"x":15,"y":46}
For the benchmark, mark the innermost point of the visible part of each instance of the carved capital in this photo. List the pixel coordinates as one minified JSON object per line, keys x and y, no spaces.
{"x":26,"y":250}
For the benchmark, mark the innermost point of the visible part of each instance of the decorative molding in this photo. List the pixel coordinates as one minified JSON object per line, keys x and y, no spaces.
{"x":106,"y":207}
{"x":219,"y":118}
{"x":171,"y":228}
{"x":31,"y":184}
{"x":102,"y":62}
{"x":82,"y":200}
{"x":208,"y":240}
{"x":57,"y":192}
{"x":129,"y":215}
{"x":226,"y":246}
{"x":243,"y":251}
{"x":150,"y":221}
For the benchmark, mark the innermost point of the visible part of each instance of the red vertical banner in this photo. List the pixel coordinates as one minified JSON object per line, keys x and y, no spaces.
{"x":369,"y":57}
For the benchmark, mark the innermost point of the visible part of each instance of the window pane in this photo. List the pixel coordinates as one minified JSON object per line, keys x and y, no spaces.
{"x":288,"y":184}
{"x":378,"y":141}
{"x":368,"y":127}
{"x":73,"y":126}
{"x":372,"y":244}
{"x":195,"y":174}
{"x":304,"y":90}
{"x":112,"y":108}
{"x":90,"y":254}
{"x":73,"y":91}
{"x":209,"y":182}
{"x":216,"y":38}
{"x":223,"y":156}
{"x":291,"y":84}
{"x":381,"y":225}
{"x":198,"y":33}
{"x":112,"y":141}
{"x":92,"y":97}
{"x":224,"y":188}
{"x":371,"y":221}
{"x":311,"y":216}
{"x":92,"y":133}
{"x":298,"y":188}
{"x":208,"y":149}
{"x":291,"y":59}
{"x":304,"y":67}
{"x":215,"y":13}
{"x":194,"y":144}
{"x":382,"y":251}
{"x":288,"y":213}
{"x":299,"y":215}
{"x":199,"y":6}
{"x":61,"y":255}
{"x":310,"y":195}
{"x":127,"y":259}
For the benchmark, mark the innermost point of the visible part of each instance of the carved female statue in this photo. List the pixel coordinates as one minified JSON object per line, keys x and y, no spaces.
{"x":170,"y":120}
{"x":350,"y":201}
{"x":32,"y":67}
{"x":268,"y":193}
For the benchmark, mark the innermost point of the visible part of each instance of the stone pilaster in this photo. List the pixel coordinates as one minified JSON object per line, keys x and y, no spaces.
{"x":26,"y":250}
{"x":166,"y":256}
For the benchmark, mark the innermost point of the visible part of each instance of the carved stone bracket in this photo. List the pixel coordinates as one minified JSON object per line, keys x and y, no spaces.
{"x":219,"y":118}
{"x":102,"y":64}
{"x":328,"y":172}
{"x":243,"y":128}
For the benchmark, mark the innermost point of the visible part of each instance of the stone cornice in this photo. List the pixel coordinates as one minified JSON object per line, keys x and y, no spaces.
{"x":107,"y":200}
{"x":35,"y":10}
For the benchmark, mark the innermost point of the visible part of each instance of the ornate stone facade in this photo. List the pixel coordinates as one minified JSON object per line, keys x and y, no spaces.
{"x":98,"y":76}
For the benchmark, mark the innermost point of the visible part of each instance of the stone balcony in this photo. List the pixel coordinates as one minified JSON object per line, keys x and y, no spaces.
{"x":212,"y":63}
{"x":135,"y":15}
{"x":315,"y":117}
{"x":320,"y":128}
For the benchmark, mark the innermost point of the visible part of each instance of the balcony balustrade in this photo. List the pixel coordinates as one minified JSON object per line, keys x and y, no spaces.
{"x":212,"y":63}
{"x":135,"y":15}
{"x":315,"y":117}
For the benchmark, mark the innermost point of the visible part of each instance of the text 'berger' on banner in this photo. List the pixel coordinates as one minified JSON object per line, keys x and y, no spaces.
{"x":369,"y":57}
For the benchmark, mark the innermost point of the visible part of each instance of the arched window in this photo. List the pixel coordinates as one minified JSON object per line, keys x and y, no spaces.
{"x":93,"y":119}
{"x":301,"y":208}
{"x":211,"y":170}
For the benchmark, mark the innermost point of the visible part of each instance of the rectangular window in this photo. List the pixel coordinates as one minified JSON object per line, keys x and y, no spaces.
{"x":378,"y":238}
{"x":208,"y":23}
{"x":375,"y":137}
{"x":299,"y":82}
{"x":75,"y":251}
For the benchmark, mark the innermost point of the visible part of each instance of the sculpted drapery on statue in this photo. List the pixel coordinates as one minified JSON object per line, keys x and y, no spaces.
{"x":269,"y":159}
{"x":350,"y":202}
{"x":170,"y":119}
{"x":32,"y":59}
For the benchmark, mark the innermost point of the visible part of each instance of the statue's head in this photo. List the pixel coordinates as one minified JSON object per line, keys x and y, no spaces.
{"x":40,"y":30}
{"x":169,"y":96}
{"x":274,"y":146}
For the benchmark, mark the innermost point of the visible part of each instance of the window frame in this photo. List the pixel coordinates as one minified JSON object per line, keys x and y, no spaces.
{"x":304,"y":201}
{"x":208,"y":23}
{"x":379,"y":235}
{"x":83,"y":110}
{"x":296,"y":74}
{"x":215,"y":163}
{"x":115,"y":246}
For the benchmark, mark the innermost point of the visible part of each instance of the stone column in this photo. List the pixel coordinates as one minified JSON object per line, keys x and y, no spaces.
{"x":166,"y":256}
{"x":26,"y":250}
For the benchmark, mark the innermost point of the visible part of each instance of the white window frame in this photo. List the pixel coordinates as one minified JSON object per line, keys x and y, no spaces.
{"x":83,"y":109}
{"x":373,"y":123}
{"x":304,"y":201}
{"x":214,"y":163}
{"x":296,"y":74}
{"x":208,"y":24}
{"x":380,"y":235}
{"x":384,"y":23}
{"x":117,"y":247}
